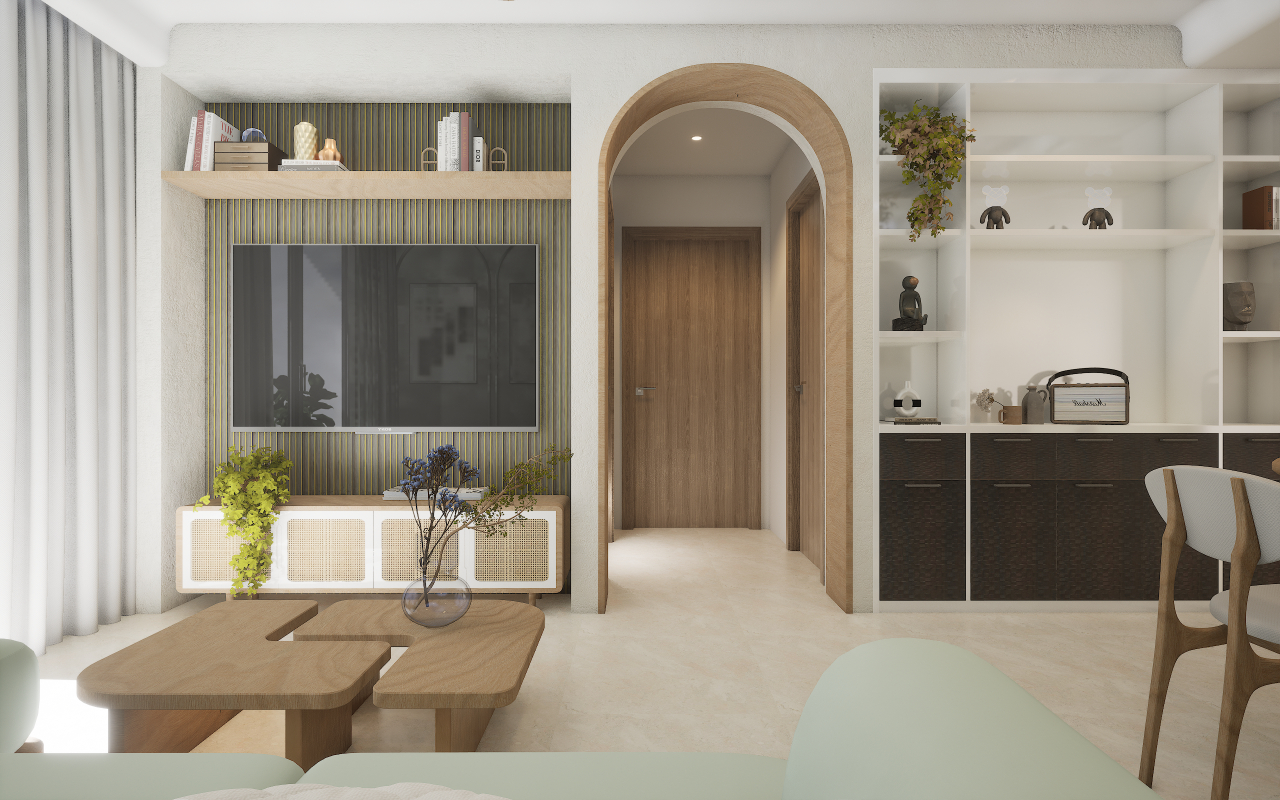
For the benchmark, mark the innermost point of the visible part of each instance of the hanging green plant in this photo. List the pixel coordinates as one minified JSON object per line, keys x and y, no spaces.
{"x":250,"y":486}
{"x":932,"y":147}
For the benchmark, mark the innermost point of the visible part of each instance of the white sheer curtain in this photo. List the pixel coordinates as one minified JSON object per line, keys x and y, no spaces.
{"x":66,"y":328}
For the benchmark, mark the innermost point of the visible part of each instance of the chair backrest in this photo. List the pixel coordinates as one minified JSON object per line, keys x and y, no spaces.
{"x":19,"y":694}
{"x":1209,"y":509}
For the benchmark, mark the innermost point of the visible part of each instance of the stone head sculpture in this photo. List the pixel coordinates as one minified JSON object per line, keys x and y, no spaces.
{"x":1237,"y":305}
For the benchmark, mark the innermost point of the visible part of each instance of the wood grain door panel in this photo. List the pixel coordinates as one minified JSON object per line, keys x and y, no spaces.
{"x":806,"y":517}
{"x":1012,"y":540}
{"x":922,"y":540}
{"x":691,"y":328}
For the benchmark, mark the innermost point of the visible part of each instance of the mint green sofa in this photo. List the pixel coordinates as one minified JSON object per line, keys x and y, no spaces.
{"x":896,"y":719}
{"x":118,"y":776}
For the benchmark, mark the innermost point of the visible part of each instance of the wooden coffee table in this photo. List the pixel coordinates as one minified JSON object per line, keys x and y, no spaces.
{"x":463,"y":671}
{"x":168,"y":692}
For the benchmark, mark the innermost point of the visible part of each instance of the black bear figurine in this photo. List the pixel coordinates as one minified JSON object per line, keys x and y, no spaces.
{"x":1098,"y":218}
{"x":995,"y":217}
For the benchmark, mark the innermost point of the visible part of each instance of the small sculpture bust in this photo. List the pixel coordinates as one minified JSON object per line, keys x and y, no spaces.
{"x":911,"y":316}
{"x":1098,"y":217}
{"x":1237,"y":306}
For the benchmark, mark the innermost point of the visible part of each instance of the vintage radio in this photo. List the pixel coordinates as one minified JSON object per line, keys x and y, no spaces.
{"x":1089,"y":403}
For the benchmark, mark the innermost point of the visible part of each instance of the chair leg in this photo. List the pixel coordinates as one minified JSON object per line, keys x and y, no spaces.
{"x":1237,"y":686}
{"x":1161,"y":672}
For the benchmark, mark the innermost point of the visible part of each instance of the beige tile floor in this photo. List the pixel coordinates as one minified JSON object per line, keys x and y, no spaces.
{"x":714,"y":639}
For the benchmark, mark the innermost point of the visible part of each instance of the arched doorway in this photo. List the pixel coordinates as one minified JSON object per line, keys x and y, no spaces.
{"x":799,"y":107}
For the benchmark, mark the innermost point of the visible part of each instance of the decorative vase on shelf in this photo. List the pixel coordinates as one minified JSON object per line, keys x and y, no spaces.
{"x":330,"y":152}
{"x":436,"y":599}
{"x":907,"y":403}
{"x":305,"y":137}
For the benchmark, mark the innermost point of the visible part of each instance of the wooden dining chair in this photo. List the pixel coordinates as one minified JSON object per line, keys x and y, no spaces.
{"x":1232,"y":517}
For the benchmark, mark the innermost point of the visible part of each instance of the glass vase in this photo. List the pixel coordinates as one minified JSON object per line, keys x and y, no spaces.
{"x":434,"y":602}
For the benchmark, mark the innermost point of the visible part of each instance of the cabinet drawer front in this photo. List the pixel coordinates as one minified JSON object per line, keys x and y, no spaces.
{"x":1098,"y":456}
{"x":922,"y":456}
{"x":922,"y":537}
{"x":1011,"y":456}
{"x":1251,"y":453}
{"x":1167,"y":449}
{"x":1108,"y":546}
{"x":1011,"y":540}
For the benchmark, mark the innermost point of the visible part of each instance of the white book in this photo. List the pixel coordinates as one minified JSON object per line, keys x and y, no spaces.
{"x":455,"y":149}
{"x":216,"y":129}
{"x":191,"y":146}
{"x":479,"y":154}
{"x":440,"y":145}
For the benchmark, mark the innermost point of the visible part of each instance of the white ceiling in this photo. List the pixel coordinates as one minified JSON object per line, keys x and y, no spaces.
{"x":733,"y":143}
{"x":140,"y":28}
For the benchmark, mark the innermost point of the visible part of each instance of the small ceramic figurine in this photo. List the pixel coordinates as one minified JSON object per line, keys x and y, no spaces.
{"x":995,"y":216}
{"x":1098,"y":217}
{"x":911,"y":316}
{"x":1237,"y":306}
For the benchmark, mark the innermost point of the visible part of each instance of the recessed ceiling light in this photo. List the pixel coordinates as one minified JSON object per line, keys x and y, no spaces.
{"x":697,"y":138}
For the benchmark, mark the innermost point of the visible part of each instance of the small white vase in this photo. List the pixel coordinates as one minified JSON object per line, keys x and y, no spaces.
{"x":907,"y":402}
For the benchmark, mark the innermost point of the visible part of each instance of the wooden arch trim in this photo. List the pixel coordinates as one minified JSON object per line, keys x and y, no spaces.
{"x":804,"y":110}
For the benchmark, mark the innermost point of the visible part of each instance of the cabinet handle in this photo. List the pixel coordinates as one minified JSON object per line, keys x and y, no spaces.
{"x":921,"y":440}
{"x":1093,"y":486}
{"x":1013,"y":486}
{"x":1095,"y":440}
{"x":1264,"y":440}
{"x":1179,"y":440}
{"x":924,"y":486}
{"x":1012,"y":440}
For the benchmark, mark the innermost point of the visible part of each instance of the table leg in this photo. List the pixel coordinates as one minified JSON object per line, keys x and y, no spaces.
{"x":146,"y":730}
{"x":311,"y":736}
{"x":459,"y":730}
{"x":365,"y":694}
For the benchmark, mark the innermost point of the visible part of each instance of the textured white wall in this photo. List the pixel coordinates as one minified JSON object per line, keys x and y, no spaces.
{"x":598,"y":68}
{"x":170,"y":336}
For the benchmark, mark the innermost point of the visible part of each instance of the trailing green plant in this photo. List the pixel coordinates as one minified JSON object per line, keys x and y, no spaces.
{"x":932,"y":147}
{"x":249,"y":487}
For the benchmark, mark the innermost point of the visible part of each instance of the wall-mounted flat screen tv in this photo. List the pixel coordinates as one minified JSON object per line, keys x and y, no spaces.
{"x":384,"y":338}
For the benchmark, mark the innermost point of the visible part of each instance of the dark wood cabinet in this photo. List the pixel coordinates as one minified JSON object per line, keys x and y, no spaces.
{"x":1011,"y":540}
{"x":922,"y":456}
{"x":1252,"y":453}
{"x":922,"y":539}
{"x":1011,"y":456}
{"x":1108,"y":541}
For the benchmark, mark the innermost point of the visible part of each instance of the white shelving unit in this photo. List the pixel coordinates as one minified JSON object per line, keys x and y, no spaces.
{"x":1010,"y":307}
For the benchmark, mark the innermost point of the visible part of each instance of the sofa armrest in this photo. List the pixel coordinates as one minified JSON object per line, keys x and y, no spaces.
{"x":137,"y":776}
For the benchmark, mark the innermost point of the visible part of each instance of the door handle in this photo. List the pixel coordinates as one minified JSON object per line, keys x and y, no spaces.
{"x":641,"y":389}
{"x":799,"y":387}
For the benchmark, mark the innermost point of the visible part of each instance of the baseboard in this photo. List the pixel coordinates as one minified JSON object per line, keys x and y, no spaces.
{"x":1032,"y":606}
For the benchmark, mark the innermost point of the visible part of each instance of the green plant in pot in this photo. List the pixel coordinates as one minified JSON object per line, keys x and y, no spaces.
{"x":932,"y":149}
{"x":249,"y":486}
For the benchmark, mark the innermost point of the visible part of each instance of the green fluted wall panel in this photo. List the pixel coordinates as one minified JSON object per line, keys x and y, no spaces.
{"x":391,"y":136}
{"x":388,"y":136}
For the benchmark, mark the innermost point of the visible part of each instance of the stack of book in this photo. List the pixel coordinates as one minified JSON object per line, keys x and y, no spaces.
{"x":1261,"y":208}
{"x":458,"y":147}
{"x":246,"y":156}
{"x":207,"y":129}
{"x":311,"y":165}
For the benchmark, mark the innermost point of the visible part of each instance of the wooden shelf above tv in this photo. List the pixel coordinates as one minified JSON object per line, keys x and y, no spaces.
{"x":374,"y":185}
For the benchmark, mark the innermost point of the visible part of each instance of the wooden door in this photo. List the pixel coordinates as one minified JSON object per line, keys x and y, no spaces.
{"x":690,"y":329}
{"x":806,"y":518}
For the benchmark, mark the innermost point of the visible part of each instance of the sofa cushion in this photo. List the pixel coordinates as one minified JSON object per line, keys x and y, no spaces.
{"x":566,"y":776}
{"x":315,"y":791}
{"x":901,"y":719}
{"x":137,"y":776}
{"x":19,"y":694}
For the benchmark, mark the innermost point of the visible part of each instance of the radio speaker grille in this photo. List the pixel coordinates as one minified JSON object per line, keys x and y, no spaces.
{"x":211,"y":551}
{"x":326,"y":549}
{"x":400,"y":552}
{"x":521,"y":555}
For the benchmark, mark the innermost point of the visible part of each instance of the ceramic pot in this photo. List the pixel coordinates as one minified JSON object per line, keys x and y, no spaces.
{"x":305,"y":138}
{"x":1033,"y":406}
{"x":330,"y":152}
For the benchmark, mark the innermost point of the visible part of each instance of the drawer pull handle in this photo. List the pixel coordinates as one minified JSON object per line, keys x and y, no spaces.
{"x":1264,"y":440}
{"x":924,"y":486}
{"x":1013,"y":486}
{"x":1179,"y":440}
{"x":1095,"y":440}
{"x":1093,"y":486}
{"x":921,"y":440}
{"x":1012,"y":440}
